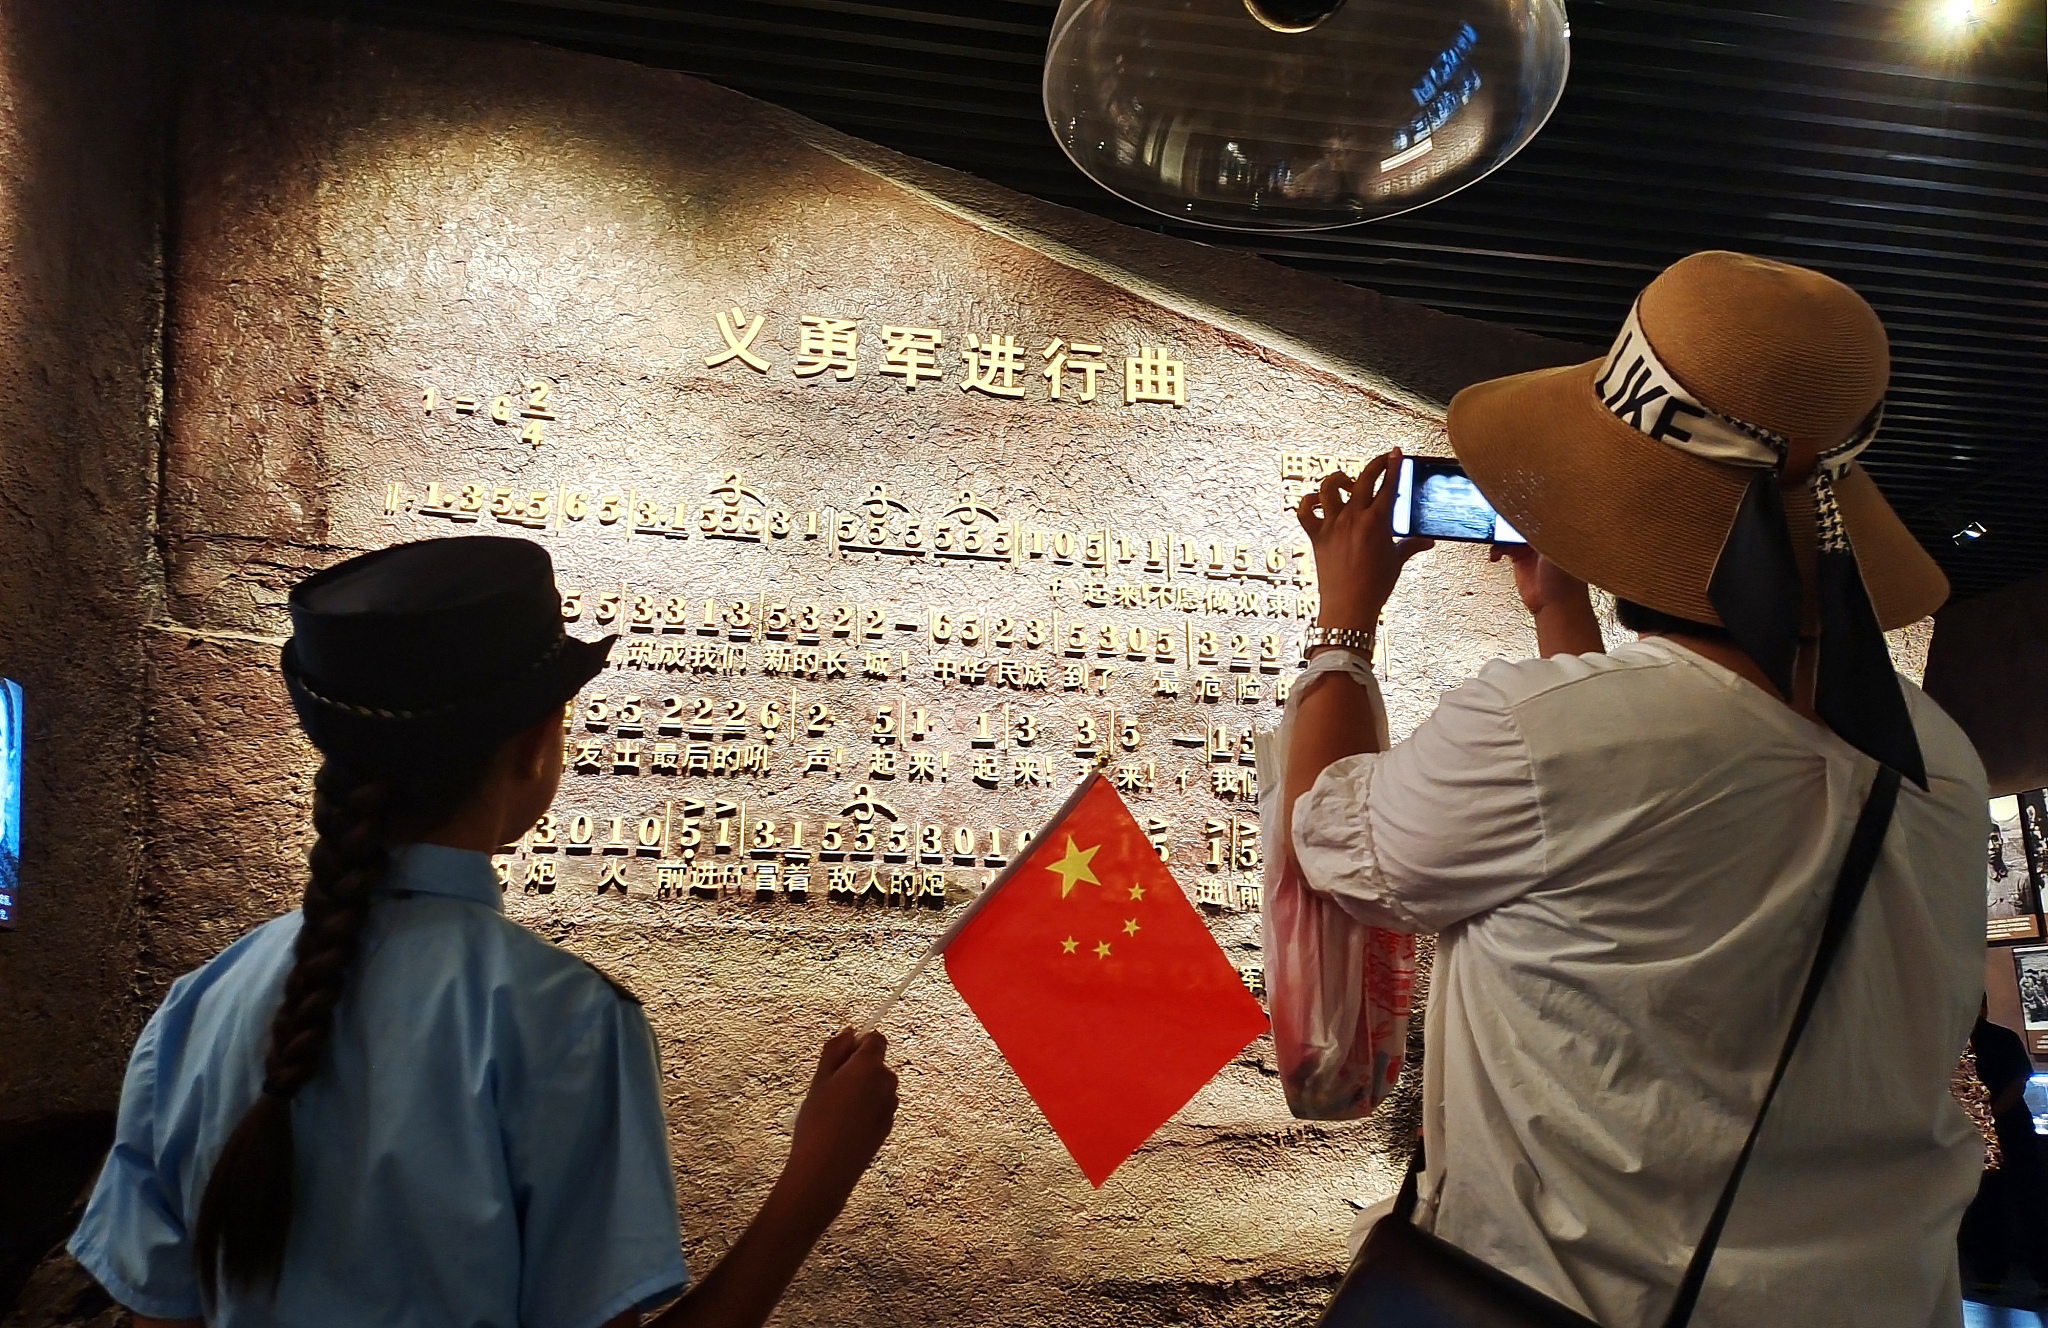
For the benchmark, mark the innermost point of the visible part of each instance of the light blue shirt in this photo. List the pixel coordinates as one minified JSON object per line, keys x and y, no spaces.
{"x":484,"y":1144}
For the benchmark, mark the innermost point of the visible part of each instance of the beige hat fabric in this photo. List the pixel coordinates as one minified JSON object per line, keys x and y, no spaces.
{"x":1757,"y":347}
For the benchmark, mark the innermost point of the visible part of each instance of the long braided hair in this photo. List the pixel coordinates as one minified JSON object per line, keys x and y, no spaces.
{"x":245,"y":1216}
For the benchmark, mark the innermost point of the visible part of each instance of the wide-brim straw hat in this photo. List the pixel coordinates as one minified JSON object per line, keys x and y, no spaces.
{"x":1757,"y":343}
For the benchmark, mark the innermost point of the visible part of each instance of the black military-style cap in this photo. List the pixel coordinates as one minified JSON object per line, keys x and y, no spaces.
{"x":457,"y":643}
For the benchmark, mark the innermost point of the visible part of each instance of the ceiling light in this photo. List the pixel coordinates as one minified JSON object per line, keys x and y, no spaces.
{"x":1285,"y":115}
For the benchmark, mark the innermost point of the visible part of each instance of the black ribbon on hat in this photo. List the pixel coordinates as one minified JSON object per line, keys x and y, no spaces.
{"x":1757,"y":592}
{"x":1759,"y":606}
{"x":1756,"y":587}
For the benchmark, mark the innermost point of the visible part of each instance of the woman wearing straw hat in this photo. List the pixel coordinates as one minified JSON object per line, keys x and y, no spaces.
{"x":1629,"y":854}
{"x":394,"y":1105}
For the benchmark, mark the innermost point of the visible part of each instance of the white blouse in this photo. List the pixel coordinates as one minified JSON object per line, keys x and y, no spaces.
{"x":1627,"y":857}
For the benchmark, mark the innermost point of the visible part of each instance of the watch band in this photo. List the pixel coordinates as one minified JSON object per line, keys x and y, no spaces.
{"x":1348,"y":638}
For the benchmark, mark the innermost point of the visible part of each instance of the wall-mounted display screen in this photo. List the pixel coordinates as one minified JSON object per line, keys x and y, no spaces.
{"x":2036,"y":1094}
{"x":2012,"y":867}
{"x":10,"y":796}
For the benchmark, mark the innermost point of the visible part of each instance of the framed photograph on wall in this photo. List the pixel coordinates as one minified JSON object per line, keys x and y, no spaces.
{"x":2012,"y":867}
{"x":2033,"y":805}
{"x":2012,"y":874}
{"x":2030,"y":964}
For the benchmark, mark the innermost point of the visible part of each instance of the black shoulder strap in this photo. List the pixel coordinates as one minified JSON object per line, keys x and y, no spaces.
{"x":1404,"y":1202}
{"x":1856,"y":867}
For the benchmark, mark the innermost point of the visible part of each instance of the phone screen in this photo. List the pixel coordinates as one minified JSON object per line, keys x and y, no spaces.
{"x":1436,"y":498}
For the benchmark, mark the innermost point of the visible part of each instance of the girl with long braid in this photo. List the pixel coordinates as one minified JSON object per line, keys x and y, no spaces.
{"x":394,"y":1105}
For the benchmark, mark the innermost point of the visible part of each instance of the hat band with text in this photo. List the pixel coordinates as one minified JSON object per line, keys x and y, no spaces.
{"x":1637,"y":389}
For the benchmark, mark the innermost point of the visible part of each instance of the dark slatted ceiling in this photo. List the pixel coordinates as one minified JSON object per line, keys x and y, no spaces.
{"x":1830,"y":133}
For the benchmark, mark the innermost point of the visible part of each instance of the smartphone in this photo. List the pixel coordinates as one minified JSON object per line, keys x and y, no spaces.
{"x":1435,"y":497}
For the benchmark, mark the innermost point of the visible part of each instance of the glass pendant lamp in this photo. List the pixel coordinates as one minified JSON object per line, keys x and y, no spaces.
{"x":1284,"y":115}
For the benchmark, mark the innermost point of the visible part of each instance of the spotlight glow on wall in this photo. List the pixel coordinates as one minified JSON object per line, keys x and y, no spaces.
{"x":1285,"y":115}
{"x":1952,"y":30}
{"x":1965,"y":13}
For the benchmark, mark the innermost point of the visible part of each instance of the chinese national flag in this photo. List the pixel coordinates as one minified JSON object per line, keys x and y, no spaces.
{"x":1100,"y":982}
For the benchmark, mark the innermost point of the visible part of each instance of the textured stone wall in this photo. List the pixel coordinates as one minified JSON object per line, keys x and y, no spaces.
{"x":363,"y":215}
{"x":82,"y":109}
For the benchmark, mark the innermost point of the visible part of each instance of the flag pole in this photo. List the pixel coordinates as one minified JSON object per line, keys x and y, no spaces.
{"x":931,"y":952}
{"x":888,"y":1002}
{"x":945,"y":938}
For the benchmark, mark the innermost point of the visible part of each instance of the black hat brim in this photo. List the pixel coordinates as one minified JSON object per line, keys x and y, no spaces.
{"x":382,"y":739}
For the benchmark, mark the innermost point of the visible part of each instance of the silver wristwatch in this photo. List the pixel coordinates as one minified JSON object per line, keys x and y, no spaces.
{"x":1345,"y":638}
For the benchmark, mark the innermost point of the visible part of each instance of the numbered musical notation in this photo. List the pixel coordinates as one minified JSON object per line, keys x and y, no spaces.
{"x":733,"y":710}
{"x":873,"y":851}
{"x":880,"y":523}
{"x":974,"y":645}
{"x":528,"y":411}
{"x":807,"y":733}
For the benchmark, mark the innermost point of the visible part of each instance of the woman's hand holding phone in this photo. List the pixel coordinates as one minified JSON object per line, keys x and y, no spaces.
{"x":1540,"y":583}
{"x":1350,"y":525}
{"x":1557,"y":600}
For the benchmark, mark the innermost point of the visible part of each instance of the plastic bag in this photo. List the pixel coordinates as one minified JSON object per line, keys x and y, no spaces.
{"x":1338,"y":989}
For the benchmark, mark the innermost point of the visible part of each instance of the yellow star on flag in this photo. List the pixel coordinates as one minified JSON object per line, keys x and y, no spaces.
{"x":1130,"y":926}
{"x":1102,"y":949}
{"x":1074,"y":867}
{"x":1137,"y":892}
{"x":1067,"y":946}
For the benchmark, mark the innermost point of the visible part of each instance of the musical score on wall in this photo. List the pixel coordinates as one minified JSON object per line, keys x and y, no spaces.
{"x":802,"y":714}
